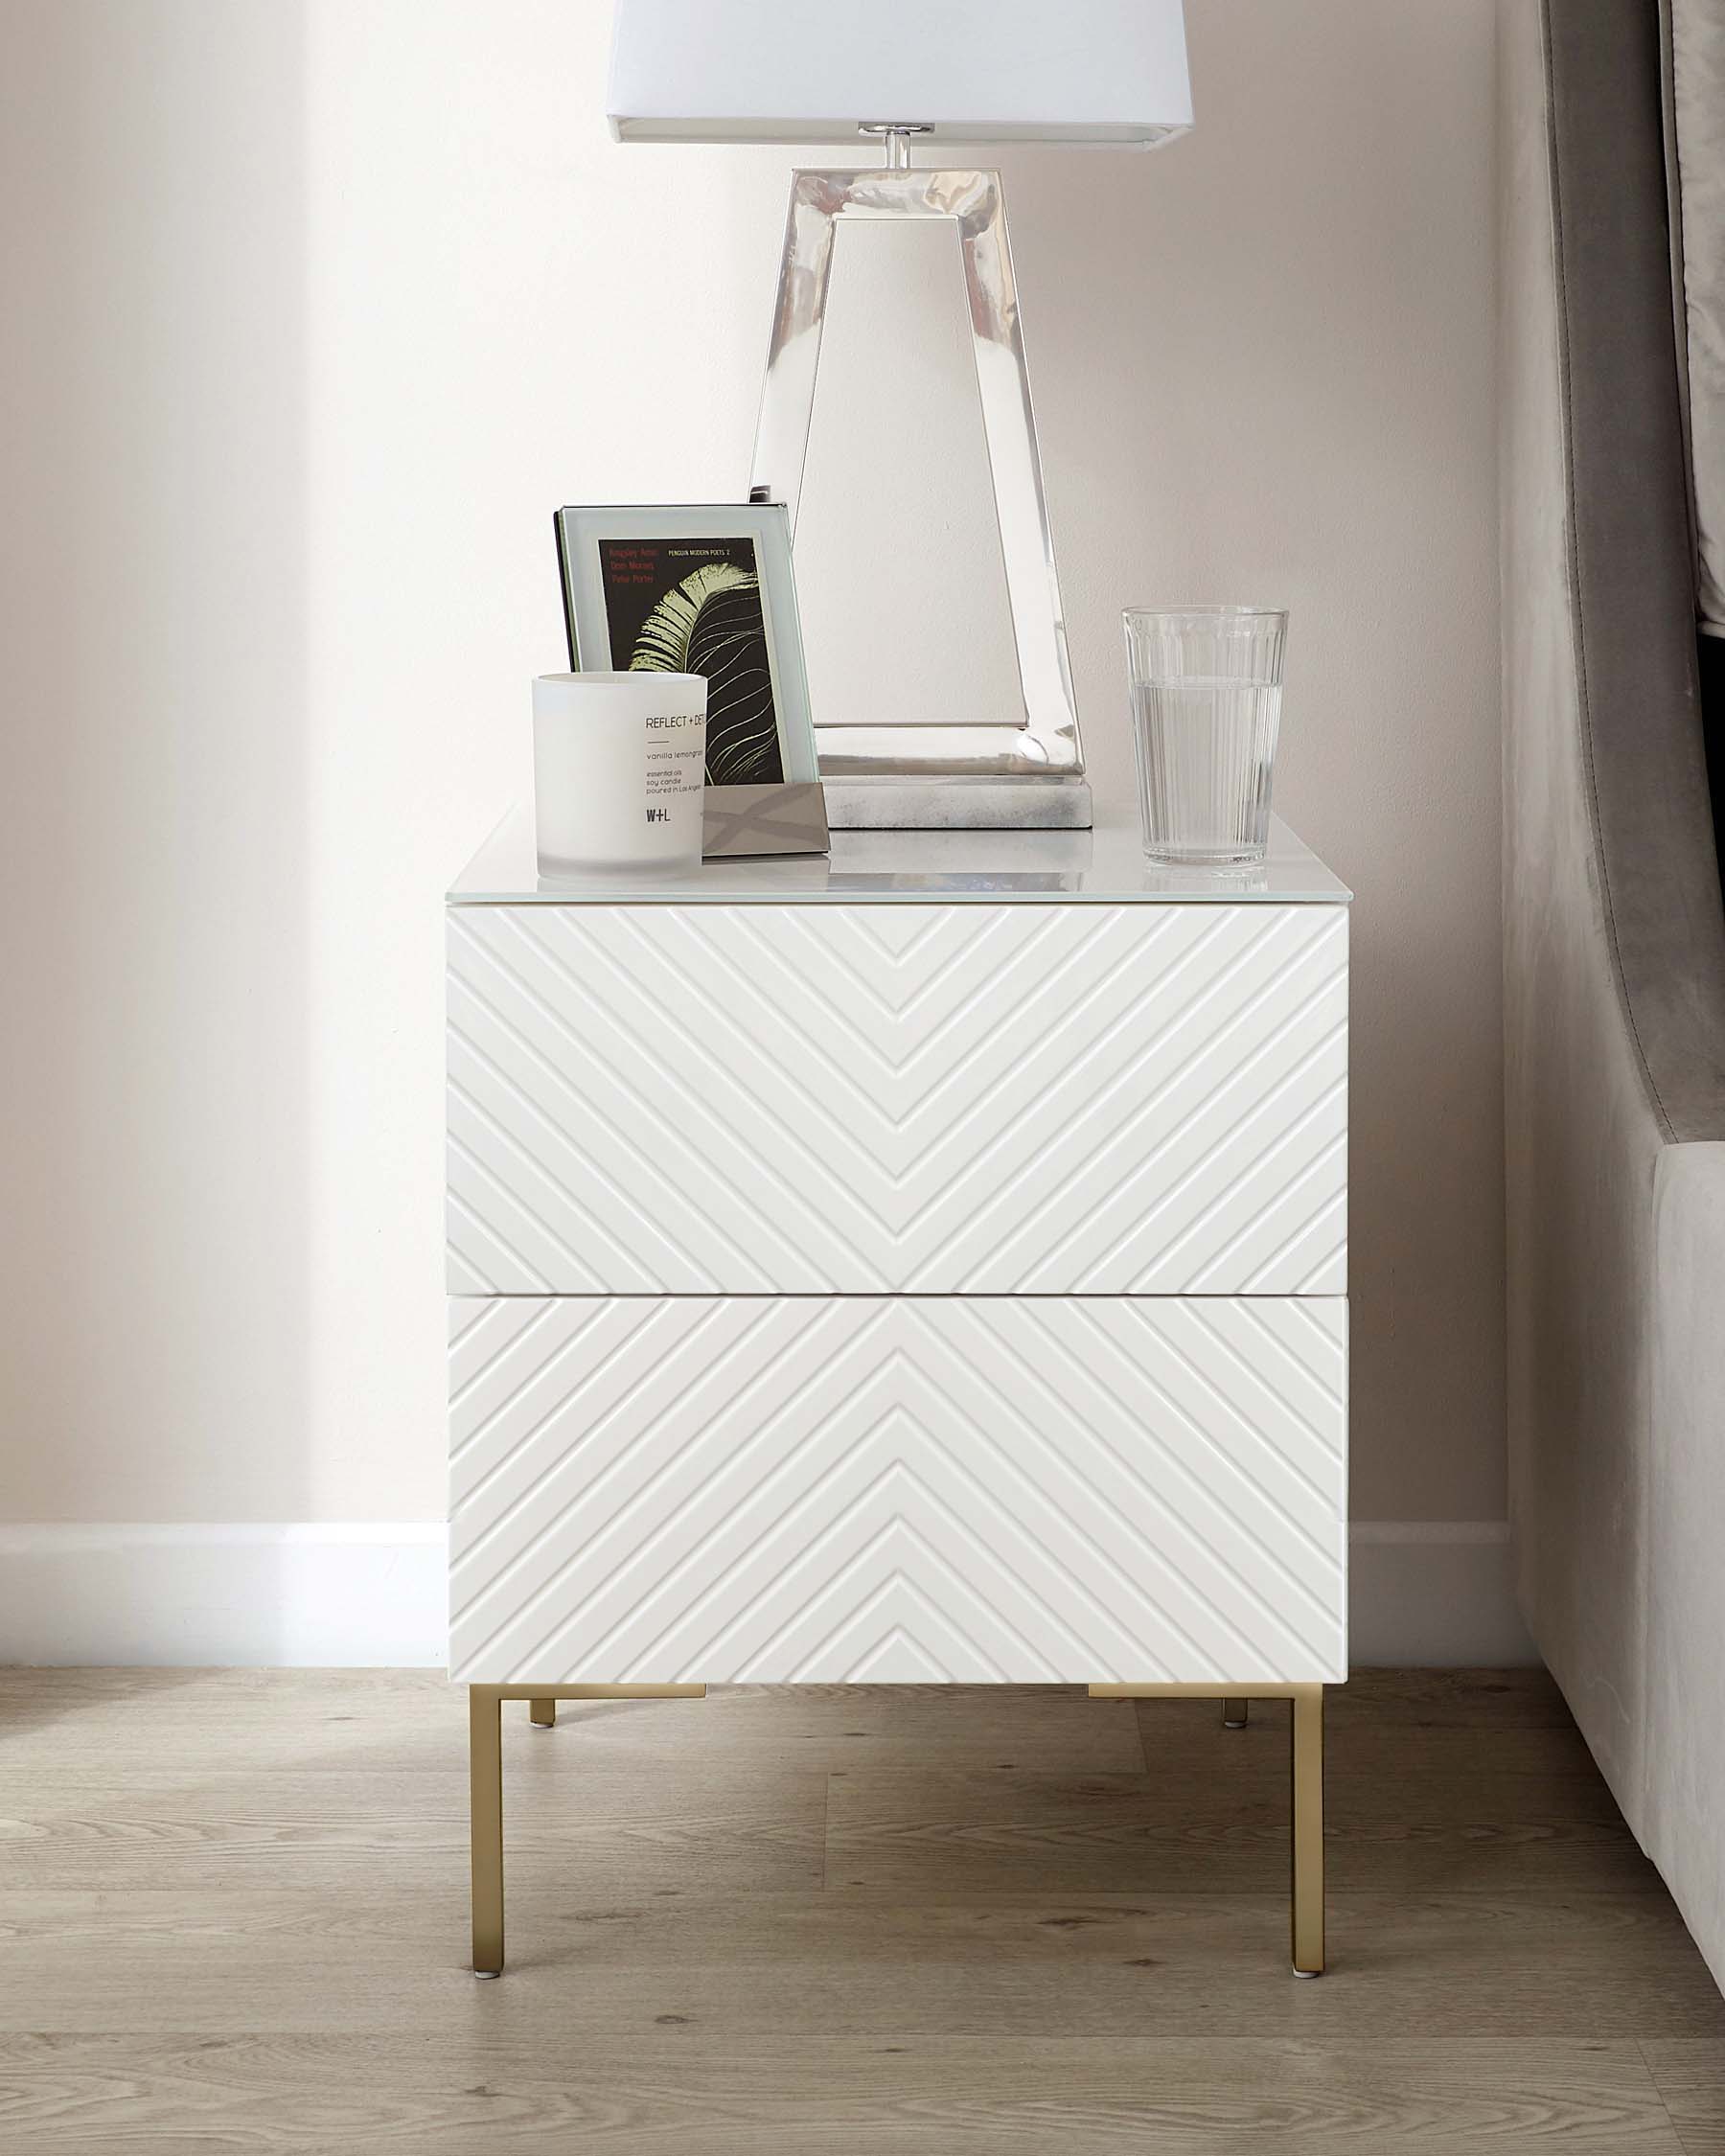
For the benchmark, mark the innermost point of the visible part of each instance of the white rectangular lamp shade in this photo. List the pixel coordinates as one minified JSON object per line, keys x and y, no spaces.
{"x":969,"y":71}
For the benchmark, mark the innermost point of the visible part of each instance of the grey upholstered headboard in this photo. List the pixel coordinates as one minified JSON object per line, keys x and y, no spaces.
{"x":1693,"y":48}
{"x":1693,"y":41}
{"x":1633,"y":563}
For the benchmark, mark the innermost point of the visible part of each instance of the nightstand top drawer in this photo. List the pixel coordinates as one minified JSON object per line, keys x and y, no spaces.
{"x":918,"y":1099}
{"x":1101,"y":867}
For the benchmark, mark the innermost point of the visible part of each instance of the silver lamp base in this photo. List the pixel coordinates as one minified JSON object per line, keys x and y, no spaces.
{"x":1020,"y":774}
{"x":908,"y":802}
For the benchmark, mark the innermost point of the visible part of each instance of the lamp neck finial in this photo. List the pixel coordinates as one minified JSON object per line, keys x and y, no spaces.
{"x":896,"y":136}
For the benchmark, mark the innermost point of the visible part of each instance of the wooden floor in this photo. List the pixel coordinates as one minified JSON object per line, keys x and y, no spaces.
{"x":233,"y":1908}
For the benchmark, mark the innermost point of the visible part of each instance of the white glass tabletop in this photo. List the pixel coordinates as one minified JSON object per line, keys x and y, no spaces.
{"x":1106,"y":866}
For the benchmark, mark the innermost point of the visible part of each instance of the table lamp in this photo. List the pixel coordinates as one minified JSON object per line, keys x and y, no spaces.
{"x":898,"y":73}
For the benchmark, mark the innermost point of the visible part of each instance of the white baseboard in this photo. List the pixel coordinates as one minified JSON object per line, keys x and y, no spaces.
{"x":310,"y":1597}
{"x":359,"y":1594}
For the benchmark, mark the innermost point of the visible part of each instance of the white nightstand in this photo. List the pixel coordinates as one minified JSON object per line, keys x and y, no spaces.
{"x":921,"y":1266}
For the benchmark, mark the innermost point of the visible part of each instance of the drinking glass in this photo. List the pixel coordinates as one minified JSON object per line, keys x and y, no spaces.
{"x":1205,"y":707}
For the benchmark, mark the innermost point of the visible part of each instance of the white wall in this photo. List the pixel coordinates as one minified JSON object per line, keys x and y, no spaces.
{"x":156,"y":1148}
{"x":314,"y":314}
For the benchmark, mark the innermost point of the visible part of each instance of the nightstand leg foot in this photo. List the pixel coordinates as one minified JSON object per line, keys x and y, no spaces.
{"x":1233,"y":1713}
{"x":485,"y":1757}
{"x":1309,"y":1830}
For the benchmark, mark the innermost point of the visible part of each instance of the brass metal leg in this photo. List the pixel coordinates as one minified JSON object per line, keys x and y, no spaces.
{"x":1306,"y":1902}
{"x":485,"y":1757}
{"x":1309,"y":1830}
{"x":1233,"y":1713}
{"x":485,"y":1754}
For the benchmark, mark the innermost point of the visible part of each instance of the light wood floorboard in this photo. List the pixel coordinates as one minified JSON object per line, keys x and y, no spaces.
{"x":233,"y":1908}
{"x":1690,"y":2075}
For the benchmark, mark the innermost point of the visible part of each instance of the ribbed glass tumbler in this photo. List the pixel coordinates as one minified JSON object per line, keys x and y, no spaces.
{"x":1205,"y":710}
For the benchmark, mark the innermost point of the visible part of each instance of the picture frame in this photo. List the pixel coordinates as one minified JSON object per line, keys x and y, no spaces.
{"x":698,"y":588}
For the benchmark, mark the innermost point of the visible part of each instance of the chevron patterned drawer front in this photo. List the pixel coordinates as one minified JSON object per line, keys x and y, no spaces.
{"x":901,"y":1490}
{"x":893,"y":1098}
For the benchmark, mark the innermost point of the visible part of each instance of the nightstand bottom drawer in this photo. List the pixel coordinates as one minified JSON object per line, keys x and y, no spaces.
{"x":898,"y":1489}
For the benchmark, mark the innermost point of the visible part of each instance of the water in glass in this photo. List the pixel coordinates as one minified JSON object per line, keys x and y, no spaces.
{"x":1205,"y":752}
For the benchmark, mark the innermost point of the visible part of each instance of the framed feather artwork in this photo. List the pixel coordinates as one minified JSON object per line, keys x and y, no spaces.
{"x":703,"y":591}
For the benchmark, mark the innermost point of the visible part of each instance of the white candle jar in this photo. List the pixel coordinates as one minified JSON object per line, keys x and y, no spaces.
{"x":618,"y":765}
